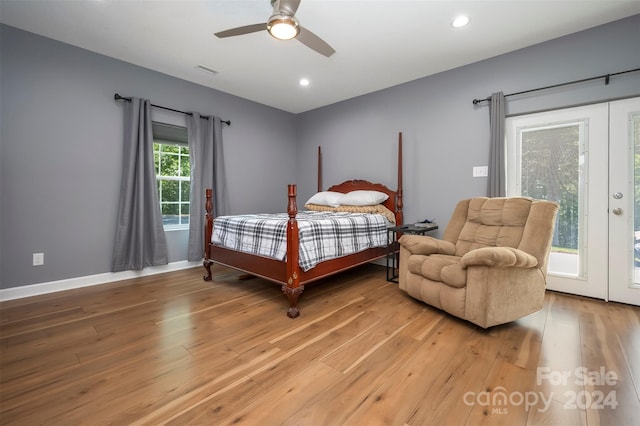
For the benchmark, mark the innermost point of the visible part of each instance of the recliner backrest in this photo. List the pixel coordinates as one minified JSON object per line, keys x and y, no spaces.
{"x":493,"y":222}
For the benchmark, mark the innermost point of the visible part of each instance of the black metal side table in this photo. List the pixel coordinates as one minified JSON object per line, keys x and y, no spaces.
{"x":393,"y":248}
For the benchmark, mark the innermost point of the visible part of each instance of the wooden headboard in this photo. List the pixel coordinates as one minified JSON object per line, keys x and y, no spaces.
{"x":393,"y":203}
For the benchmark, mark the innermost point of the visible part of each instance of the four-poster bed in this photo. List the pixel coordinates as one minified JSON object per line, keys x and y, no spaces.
{"x":288,"y":272}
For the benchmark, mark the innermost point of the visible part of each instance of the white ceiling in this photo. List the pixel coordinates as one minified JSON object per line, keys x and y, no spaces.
{"x":378,"y":43}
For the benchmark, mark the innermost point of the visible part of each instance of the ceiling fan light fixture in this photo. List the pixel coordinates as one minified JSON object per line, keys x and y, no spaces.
{"x":283,"y":27}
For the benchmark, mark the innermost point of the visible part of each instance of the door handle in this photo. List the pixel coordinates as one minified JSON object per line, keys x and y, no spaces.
{"x":617,"y":211}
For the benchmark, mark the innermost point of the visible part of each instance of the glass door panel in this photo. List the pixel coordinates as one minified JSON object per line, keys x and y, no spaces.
{"x":551,"y":157}
{"x":635,"y":124}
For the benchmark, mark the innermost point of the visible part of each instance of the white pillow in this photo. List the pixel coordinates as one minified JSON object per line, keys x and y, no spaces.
{"x":326,"y":198}
{"x":363,"y":198}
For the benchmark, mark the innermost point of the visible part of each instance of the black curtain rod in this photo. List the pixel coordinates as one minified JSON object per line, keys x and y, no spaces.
{"x":117,"y":97}
{"x":605,"y":76}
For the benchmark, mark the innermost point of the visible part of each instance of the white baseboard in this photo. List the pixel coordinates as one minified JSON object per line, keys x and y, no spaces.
{"x":89,"y":280}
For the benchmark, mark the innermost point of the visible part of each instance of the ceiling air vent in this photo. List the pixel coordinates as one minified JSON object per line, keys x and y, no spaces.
{"x":206,"y":70}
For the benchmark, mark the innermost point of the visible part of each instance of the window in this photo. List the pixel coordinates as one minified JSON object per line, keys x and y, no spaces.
{"x":173,"y":174}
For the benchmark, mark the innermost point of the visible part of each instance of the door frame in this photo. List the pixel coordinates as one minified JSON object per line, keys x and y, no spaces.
{"x":593,"y":273}
{"x":622,"y":179}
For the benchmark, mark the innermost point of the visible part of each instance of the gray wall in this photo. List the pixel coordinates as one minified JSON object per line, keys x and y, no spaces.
{"x":61,"y":136}
{"x":61,"y":148}
{"x":444,"y":134}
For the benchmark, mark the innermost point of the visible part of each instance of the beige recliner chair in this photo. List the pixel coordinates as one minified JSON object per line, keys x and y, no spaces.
{"x":491,"y":265}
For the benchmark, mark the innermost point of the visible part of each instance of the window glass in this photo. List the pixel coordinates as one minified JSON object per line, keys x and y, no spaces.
{"x":547,"y":162}
{"x":173,"y":174}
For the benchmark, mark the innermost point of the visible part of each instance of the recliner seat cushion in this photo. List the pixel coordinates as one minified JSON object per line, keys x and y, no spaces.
{"x":439,"y":267}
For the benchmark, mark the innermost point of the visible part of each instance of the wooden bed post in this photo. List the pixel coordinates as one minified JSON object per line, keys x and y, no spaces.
{"x":319,"y":169}
{"x":208,"y":230}
{"x":399,"y":215}
{"x":292,"y":287}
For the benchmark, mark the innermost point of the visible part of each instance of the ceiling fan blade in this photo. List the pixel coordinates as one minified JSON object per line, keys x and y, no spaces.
{"x":291,"y":6}
{"x":242,"y":30}
{"x":314,"y":42}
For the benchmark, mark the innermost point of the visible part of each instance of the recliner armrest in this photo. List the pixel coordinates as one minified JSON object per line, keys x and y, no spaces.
{"x":425,"y":245}
{"x":498,"y":256}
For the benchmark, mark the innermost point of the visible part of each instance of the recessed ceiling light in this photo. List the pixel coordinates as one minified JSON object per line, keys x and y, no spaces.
{"x":304,"y":82}
{"x":460,"y":21}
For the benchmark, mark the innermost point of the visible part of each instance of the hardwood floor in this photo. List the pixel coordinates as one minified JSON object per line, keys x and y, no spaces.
{"x":173,"y":349}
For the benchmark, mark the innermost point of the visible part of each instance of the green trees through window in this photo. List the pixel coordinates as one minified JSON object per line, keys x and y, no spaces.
{"x":550,"y":170}
{"x":173,"y":174}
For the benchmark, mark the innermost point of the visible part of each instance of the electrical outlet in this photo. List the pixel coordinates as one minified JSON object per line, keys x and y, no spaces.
{"x":38,"y":259}
{"x":481,"y":171}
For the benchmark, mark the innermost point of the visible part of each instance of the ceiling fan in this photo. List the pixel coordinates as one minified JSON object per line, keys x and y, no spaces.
{"x":283,"y":25}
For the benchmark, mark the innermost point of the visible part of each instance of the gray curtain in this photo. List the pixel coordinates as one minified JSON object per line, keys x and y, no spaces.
{"x":207,"y":171}
{"x":496,"y":185}
{"x":140,"y":239}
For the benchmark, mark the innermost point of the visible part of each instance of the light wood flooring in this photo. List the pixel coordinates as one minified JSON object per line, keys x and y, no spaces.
{"x":173,"y":349}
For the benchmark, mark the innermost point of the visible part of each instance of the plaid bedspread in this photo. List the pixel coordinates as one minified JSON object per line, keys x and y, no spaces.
{"x":323,"y":235}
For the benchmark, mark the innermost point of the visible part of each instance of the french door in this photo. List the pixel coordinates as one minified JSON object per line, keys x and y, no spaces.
{"x":624,"y":201}
{"x":587,"y":159}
